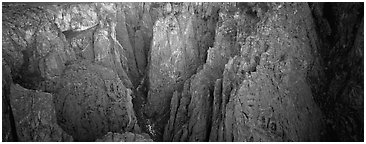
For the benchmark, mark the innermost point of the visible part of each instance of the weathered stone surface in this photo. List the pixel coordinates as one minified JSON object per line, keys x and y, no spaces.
{"x":125,"y":137}
{"x":274,"y":101}
{"x":8,"y":124}
{"x":199,"y":92}
{"x":339,"y":90}
{"x":176,"y":126}
{"x":34,"y":116}
{"x":134,"y":32}
{"x":92,"y":101}
{"x":240,"y":109}
{"x":176,"y":52}
{"x":82,"y":43}
{"x":33,"y":49}
{"x":194,"y":71}
{"x":168,"y":135}
{"x":92,"y":35}
{"x":122,"y":37}
{"x":202,"y":85}
{"x":216,"y":110}
{"x":76,"y":17}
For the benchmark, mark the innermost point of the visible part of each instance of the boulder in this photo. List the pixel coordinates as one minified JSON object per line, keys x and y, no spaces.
{"x":34,"y":116}
{"x":92,"y":101}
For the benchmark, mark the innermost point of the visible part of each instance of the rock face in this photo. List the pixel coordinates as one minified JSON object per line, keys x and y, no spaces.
{"x":125,"y":137}
{"x":261,"y":94}
{"x":194,"y":113}
{"x":273,"y":101}
{"x":40,"y":41}
{"x":182,"y":71}
{"x":8,"y":128}
{"x":34,"y":116}
{"x":92,"y":35}
{"x":134,"y":32}
{"x":32,"y":47}
{"x":92,"y":101}
{"x":341,"y":87}
{"x":33,"y":56}
{"x":181,"y":37}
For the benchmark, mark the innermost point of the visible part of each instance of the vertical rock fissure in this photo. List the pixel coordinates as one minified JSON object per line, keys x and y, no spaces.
{"x":209,"y":116}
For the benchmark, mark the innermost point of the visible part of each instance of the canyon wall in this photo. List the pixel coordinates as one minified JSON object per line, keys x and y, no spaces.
{"x":182,"y":72}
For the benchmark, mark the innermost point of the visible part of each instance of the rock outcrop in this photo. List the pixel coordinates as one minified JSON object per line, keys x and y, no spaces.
{"x":125,"y":137}
{"x":198,"y":91}
{"x":172,"y":71}
{"x":41,"y":41}
{"x":32,"y":47}
{"x":92,"y":101}
{"x":180,"y":41}
{"x":134,"y":32}
{"x":35,"y":116}
{"x":261,"y":93}
{"x":92,"y":34}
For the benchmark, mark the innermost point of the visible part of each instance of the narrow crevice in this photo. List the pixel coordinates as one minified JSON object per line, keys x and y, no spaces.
{"x":210,"y":121}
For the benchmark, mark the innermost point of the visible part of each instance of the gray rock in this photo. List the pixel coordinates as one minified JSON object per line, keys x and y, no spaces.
{"x":34,"y":116}
{"x":92,"y":101}
{"x":272,"y":104}
{"x":216,"y":111}
{"x":34,"y":49}
{"x":8,"y":128}
{"x":240,"y":109}
{"x":125,"y":137}
{"x":134,"y":33}
{"x":175,"y":54}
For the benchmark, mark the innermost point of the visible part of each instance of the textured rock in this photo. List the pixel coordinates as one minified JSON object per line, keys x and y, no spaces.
{"x":134,"y":32}
{"x":34,"y":116}
{"x":92,"y":34}
{"x":92,"y":101}
{"x":175,"y":130}
{"x":194,"y":71}
{"x":76,"y":17}
{"x":82,"y":32}
{"x":125,"y":137}
{"x":173,"y":112}
{"x":122,"y":37}
{"x":32,"y":47}
{"x":82,"y":43}
{"x":8,"y":124}
{"x":274,"y":101}
{"x":216,"y":111}
{"x":199,"y":91}
{"x":340,"y":94}
{"x":259,"y":98}
{"x":176,"y":53}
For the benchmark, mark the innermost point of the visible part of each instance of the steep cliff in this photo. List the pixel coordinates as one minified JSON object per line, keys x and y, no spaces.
{"x":253,"y":86}
{"x":177,"y":71}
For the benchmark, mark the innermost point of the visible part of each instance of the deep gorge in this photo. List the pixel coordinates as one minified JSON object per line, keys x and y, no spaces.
{"x":173,"y":71}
